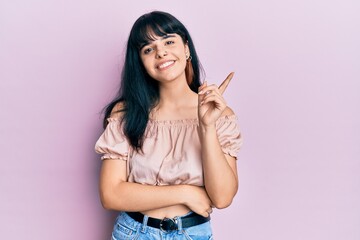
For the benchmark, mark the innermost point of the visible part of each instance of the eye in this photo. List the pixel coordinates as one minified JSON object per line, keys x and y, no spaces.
{"x":169,"y":42}
{"x":148,"y":50}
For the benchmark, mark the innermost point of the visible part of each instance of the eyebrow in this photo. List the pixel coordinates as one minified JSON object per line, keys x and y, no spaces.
{"x":166,"y":36}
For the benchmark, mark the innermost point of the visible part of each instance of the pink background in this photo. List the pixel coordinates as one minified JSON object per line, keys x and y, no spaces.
{"x":296,"y":92}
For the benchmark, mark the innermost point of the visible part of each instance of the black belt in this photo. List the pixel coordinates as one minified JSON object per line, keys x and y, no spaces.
{"x":168,"y":224}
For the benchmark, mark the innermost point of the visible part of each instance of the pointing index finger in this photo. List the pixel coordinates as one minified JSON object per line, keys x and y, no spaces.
{"x":225,"y":83}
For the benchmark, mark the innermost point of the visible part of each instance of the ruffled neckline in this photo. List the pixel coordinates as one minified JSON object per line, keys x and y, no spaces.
{"x":186,"y":121}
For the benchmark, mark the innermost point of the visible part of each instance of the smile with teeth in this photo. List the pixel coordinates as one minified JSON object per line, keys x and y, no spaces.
{"x":165,"y":64}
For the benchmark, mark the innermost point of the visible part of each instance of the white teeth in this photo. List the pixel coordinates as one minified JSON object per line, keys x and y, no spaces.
{"x":165,"y":64}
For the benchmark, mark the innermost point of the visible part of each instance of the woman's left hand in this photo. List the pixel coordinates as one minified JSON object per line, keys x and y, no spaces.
{"x":211,"y":102}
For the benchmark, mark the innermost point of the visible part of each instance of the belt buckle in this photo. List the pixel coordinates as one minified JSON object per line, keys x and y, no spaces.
{"x":173,"y":224}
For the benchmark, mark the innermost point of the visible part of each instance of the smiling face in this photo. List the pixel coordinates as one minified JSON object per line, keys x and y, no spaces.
{"x":164,"y":58}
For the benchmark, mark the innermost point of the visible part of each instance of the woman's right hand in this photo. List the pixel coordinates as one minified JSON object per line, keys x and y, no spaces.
{"x":197,"y":199}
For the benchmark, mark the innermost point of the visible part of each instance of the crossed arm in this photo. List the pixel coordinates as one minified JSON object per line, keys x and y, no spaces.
{"x":220,"y":174}
{"x":118,"y":194}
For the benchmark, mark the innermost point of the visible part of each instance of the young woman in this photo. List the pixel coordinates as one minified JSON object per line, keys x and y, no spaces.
{"x":170,"y":143}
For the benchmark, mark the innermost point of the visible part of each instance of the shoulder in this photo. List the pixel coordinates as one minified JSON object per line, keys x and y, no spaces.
{"x":118,"y":110}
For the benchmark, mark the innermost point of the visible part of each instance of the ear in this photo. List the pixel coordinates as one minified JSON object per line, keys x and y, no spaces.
{"x":187,"y":50}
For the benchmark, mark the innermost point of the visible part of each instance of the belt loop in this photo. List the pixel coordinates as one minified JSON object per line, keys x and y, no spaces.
{"x":144,"y":223}
{"x":179,"y":224}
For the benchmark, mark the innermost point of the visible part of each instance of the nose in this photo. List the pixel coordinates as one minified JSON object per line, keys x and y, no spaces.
{"x":161,"y":53}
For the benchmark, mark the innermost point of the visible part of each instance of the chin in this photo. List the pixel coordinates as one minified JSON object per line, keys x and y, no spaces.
{"x":168,"y":77}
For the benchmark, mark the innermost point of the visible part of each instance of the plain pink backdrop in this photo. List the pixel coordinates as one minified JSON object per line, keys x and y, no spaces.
{"x":296,"y":92}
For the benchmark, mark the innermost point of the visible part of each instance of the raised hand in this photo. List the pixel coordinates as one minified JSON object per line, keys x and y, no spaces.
{"x":211,"y":102}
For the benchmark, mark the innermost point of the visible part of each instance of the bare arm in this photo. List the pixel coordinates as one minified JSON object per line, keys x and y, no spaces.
{"x":118,"y":194}
{"x":220,"y":172}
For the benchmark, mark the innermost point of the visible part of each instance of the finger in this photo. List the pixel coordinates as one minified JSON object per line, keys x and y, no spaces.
{"x":202,"y":86}
{"x":218,"y":101}
{"x":200,"y":92}
{"x":204,"y":214}
{"x":212,"y":92}
{"x":214,"y":98}
{"x":211,"y":88}
{"x":225,"y":83}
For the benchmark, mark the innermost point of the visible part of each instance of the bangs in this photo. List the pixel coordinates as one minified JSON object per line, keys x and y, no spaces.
{"x":149,"y":28}
{"x":148,"y":34}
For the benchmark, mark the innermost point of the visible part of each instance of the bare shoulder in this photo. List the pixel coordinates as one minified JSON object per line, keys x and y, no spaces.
{"x":227,"y":112}
{"x":118,"y":110}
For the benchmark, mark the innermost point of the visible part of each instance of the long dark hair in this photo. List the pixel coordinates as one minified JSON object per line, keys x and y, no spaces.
{"x":139,"y":93}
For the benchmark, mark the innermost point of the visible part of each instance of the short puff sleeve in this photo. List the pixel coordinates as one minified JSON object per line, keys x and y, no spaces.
{"x":113,"y":143}
{"x":229,"y":135}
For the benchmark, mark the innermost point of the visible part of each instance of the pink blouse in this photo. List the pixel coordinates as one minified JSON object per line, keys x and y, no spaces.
{"x":171,"y":151}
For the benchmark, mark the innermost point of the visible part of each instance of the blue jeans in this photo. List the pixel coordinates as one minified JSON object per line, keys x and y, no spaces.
{"x":126,"y":228}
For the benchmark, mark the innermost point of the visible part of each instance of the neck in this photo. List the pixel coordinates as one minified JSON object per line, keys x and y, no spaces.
{"x":177,"y":101}
{"x":176,"y":94}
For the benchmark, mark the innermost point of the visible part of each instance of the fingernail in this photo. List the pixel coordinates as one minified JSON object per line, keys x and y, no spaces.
{"x":201,"y":92}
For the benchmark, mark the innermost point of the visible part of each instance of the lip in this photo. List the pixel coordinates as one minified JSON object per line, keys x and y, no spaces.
{"x":168,"y":64}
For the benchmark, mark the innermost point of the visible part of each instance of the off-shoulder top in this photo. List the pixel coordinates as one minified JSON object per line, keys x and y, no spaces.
{"x":171,"y":151}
